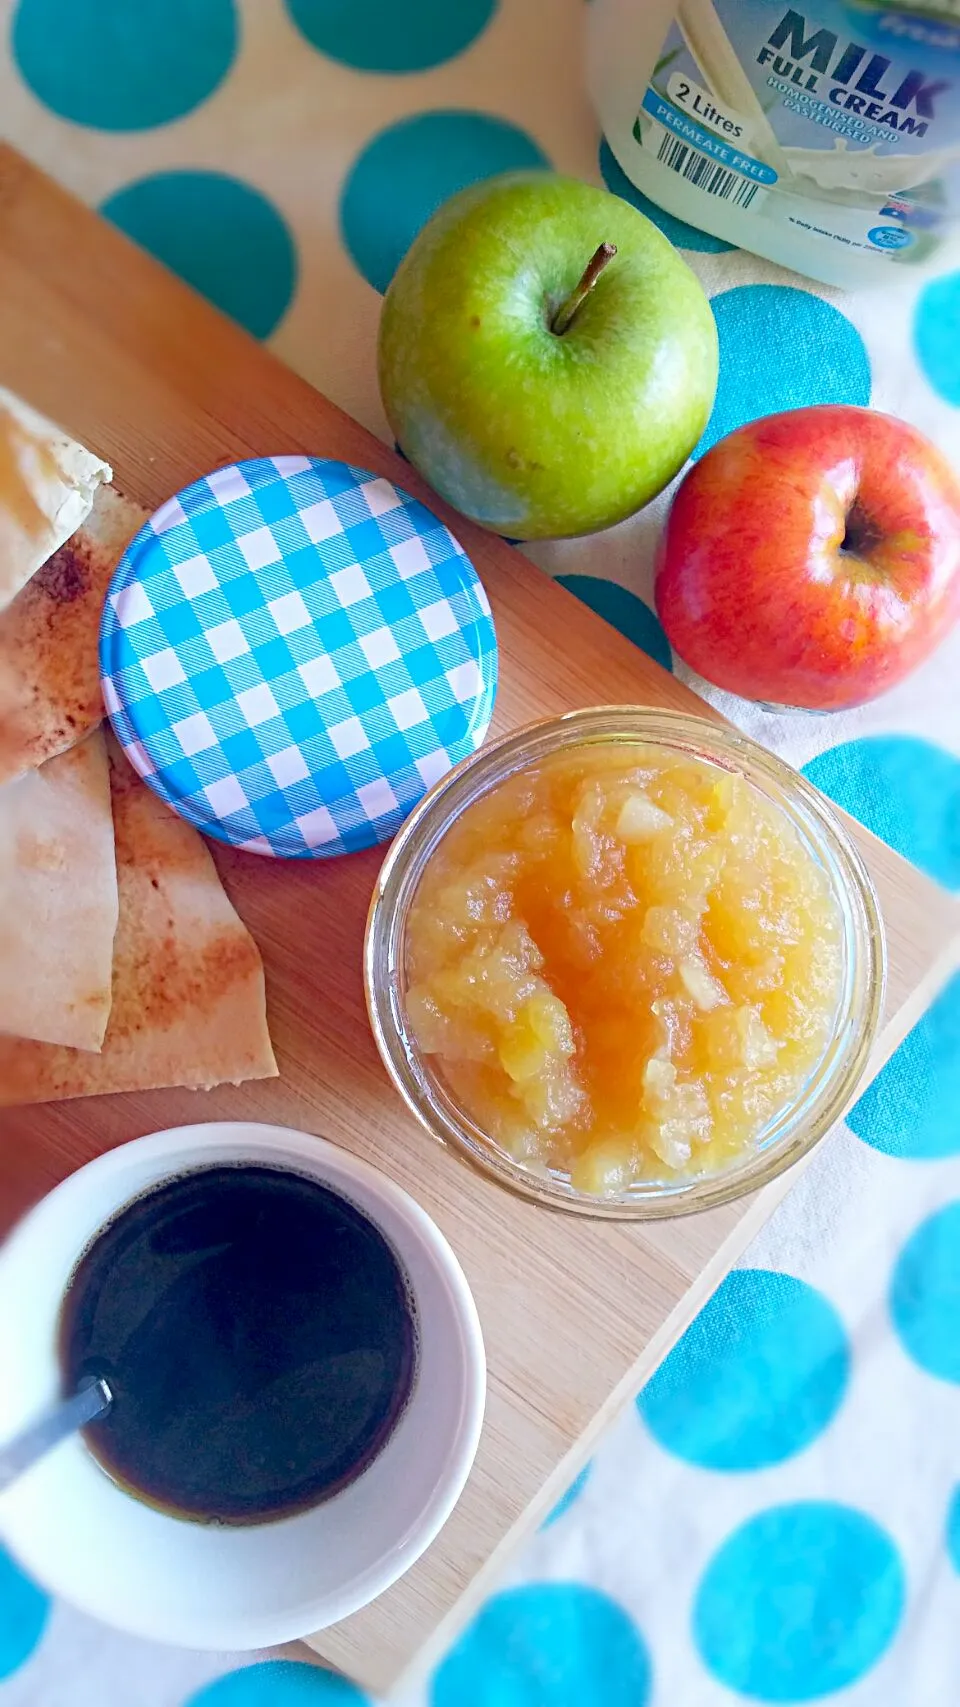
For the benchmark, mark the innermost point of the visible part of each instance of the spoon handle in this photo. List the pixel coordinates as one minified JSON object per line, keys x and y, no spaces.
{"x":92,"y":1399}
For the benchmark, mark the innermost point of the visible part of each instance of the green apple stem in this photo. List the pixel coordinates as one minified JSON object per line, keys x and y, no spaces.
{"x":567,"y":310}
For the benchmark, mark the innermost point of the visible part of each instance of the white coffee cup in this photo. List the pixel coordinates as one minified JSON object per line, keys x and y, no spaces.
{"x":201,"y":1586}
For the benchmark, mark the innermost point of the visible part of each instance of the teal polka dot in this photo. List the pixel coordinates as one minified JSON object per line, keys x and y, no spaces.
{"x":546,"y":1645}
{"x":925,"y":1295}
{"x":408,"y":170}
{"x":756,"y":1377}
{"x":799,"y":1602}
{"x":953,"y":1531}
{"x":624,"y":611}
{"x":936,"y":334}
{"x":24,"y":1609}
{"x":912,"y":1108}
{"x":220,"y":235}
{"x":124,"y":64}
{"x":906,"y":790}
{"x":684,"y":236}
{"x":811,"y":354}
{"x":380,"y":35}
{"x":279,"y":1683}
{"x":569,"y":1498}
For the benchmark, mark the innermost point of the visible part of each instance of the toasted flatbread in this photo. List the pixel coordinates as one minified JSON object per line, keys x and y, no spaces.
{"x":58,"y":899}
{"x":47,"y":484}
{"x":188,"y":991}
{"x":49,"y":669}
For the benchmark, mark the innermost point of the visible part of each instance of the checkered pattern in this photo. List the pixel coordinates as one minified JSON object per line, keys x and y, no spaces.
{"x":293,"y":651}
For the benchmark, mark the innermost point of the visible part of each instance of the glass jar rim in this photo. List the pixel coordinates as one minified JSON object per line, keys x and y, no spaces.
{"x":833,"y":1085}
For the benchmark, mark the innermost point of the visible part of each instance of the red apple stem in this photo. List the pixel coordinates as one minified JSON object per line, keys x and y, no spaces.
{"x":567,"y":310}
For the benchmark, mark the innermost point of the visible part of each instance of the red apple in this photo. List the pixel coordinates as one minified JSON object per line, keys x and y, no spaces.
{"x":812,"y":558}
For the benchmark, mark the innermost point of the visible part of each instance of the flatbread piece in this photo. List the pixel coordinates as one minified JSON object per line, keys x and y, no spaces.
{"x":49,"y":668}
{"x":58,"y":899}
{"x":47,"y":483}
{"x":188,"y":992}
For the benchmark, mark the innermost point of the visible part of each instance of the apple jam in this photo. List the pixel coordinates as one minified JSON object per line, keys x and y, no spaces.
{"x":623,"y":963}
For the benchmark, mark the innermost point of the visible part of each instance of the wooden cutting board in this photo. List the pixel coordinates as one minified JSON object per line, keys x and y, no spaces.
{"x":575,"y":1313}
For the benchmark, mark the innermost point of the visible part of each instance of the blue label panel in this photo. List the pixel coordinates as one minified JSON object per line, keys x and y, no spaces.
{"x":693,"y":133}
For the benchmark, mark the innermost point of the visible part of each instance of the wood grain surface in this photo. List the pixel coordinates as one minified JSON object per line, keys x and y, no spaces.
{"x":575,"y":1313}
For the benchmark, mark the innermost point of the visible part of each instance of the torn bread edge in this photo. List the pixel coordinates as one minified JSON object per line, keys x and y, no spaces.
{"x":47,"y":485}
{"x":189,"y":1000}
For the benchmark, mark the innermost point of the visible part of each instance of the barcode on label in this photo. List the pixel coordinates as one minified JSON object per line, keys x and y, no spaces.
{"x":704,"y":173}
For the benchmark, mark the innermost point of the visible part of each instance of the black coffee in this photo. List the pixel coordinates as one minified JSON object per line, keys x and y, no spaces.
{"x":258,"y":1335}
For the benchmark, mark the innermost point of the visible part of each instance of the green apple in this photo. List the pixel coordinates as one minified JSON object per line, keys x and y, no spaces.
{"x":546,"y":359}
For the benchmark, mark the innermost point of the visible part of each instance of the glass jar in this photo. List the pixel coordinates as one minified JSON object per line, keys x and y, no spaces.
{"x":830,"y":1088}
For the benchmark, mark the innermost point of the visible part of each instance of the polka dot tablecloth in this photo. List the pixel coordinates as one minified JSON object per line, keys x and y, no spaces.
{"x":777,"y":1518}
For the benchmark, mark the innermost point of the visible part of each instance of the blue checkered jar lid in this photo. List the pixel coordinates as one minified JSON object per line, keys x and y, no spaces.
{"x":293,"y":651}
